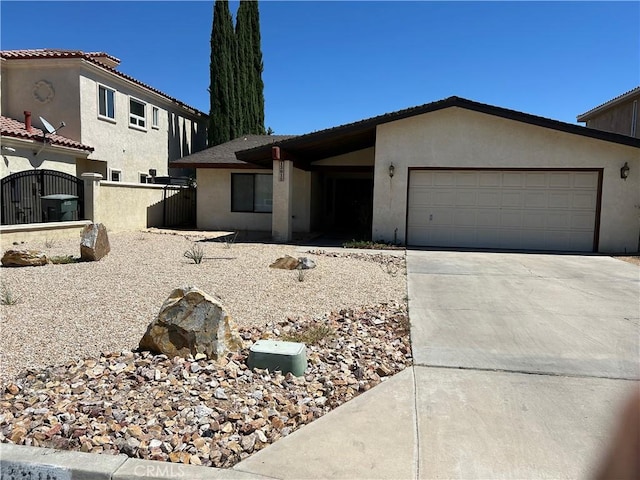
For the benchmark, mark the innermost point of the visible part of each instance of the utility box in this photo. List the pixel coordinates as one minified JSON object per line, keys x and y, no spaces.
{"x":276,"y":355}
{"x":59,"y":208}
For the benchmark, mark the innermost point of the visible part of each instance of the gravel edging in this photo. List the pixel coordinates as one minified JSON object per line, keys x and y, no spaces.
{"x":200,"y":412}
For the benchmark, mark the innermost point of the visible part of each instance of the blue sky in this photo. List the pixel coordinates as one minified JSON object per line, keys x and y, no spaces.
{"x":329,"y":63}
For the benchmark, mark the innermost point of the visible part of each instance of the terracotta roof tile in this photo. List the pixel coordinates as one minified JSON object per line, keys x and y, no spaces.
{"x":101,"y":59}
{"x":16,"y":129}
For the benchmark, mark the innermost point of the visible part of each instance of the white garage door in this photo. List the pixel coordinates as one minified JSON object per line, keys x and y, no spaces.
{"x":528,"y":210}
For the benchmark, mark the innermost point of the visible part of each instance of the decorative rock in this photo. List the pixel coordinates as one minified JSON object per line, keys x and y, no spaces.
{"x":94,"y":242}
{"x":306,"y":263}
{"x":191,"y":322}
{"x":286,"y":263}
{"x":24,"y":258}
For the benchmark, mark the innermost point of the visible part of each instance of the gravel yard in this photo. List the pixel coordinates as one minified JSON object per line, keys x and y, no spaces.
{"x":74,"y":311}
{"x":73,"y":380}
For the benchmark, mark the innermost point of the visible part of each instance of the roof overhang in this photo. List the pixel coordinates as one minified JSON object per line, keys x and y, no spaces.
{"x":305,"y":149}
{"x":607,"y":105}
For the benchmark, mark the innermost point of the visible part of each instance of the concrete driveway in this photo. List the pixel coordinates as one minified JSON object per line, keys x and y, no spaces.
{"x":521,"y":360}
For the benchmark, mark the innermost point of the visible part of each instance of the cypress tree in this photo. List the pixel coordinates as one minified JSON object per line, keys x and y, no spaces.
{"x":223,"y":98}
{"x":250,"y":66}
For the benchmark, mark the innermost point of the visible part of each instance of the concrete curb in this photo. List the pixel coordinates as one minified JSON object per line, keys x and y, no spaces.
{"x":19,"y":462}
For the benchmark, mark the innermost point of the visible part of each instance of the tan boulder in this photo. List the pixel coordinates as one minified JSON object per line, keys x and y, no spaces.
{"x":191,"y":322}
{"x":286,"y":263}
{"x":24,"y":258}
{"x":94,"y":242}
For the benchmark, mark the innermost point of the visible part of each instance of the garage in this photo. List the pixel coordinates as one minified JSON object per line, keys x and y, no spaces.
{"x":553,"y":210}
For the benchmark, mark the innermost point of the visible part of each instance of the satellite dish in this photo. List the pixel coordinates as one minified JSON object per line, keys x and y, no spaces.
{"x":49,"y":128}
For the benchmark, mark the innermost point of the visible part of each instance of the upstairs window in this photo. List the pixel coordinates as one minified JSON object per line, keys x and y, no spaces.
{"x":155,"y":117}
{"x":137,"y":113}
{"x":116,"y":175}
{"x":106,"y":102}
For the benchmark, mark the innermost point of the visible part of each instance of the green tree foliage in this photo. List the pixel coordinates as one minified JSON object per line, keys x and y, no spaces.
{"x":223,"y":97}
{"x":250,"y":67}
{"x":237,"y":90}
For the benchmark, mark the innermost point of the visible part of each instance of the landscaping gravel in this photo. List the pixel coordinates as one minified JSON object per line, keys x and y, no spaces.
{"x":79,"y":310}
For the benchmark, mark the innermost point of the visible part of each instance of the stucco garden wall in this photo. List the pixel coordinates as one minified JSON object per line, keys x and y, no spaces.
{"x":25,"y":159}
{"x":456,"y":137}
{"x":130,"y":206}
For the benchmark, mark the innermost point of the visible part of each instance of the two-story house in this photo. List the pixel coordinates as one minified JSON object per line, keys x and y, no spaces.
{"x":135,"y":130}
{"x":618,"y":115}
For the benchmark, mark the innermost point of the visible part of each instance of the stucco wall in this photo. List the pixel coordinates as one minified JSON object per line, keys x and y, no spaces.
{"x":142,"y":204}
{"x":364,"y":157}
{"x":456,"y":137}
{"x":19,"y":93}
{"x":40,"y":232}
{"x":25,"y":159}
{"x":214,"y":202}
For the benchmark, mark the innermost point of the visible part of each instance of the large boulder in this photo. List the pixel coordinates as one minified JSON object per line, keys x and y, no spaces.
{"x":94,"y":242}
{"x":191,"y":322}
{"x":24,"y":258}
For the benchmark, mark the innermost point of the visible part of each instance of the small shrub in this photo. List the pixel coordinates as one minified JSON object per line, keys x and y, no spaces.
{"x":7,"y":296}
{"x":63,"y":259}
{"x":301,"y":274}
{"x":195,"y":253}
{"x":310,"y":335}
{"x":230,"y":239}
{"x":49,"y":243}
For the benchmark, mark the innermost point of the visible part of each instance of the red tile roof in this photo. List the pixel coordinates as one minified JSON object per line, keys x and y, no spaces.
{"x":103,"y":60}
{"x":16,"y":129}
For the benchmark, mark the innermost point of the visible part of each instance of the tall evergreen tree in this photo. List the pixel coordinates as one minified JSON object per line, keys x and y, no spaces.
{"x":223,"y":97}
{"x":236,"y":90}
{"x":250,"y":67}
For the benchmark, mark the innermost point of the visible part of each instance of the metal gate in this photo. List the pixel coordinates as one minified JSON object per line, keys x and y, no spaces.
{"x":22,"y":195}
{"x":179,"y":208}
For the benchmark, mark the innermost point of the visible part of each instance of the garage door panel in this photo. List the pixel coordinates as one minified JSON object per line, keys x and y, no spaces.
{"x":541,"y":210}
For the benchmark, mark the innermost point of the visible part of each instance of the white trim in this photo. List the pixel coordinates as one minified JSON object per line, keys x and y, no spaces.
{"x":110,"y":176}
{"x":137,"y":118}
{"x":155,"y":117}
{"x":107,"y":117}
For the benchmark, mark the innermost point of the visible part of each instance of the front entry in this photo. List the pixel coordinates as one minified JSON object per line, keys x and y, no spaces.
{"x":348,"y":205}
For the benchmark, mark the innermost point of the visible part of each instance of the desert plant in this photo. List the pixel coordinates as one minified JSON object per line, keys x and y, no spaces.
{"x":368,"y":244}
{"x":310,"y":335}
{"x":63,"y":259}
{"x":230,"y":239}
{"x":195,"y":253}
{"x":7,"y":297}
{"x":49,"y":242}
{"x":301,"y":274}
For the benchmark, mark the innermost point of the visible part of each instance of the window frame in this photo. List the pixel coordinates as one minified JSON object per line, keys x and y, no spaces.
{"x":106,"y":103}
{"x":155,"y":117}
{"x":144,"y":175}
{"x":118,"y":172}
{"x":253,"y":193}
{"x":134,"y":118}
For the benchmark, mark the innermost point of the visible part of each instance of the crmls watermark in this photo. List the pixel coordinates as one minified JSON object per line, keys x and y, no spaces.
{"x":167,"y":470}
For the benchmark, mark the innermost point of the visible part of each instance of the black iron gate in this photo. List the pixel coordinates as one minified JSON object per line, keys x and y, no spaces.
{"x":22,"y":195}
{"x":179,"y":207}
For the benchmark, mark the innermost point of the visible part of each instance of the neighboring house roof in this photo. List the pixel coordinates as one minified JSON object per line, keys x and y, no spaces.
{"x":224,"y":155}
{"x":358,"y":135}
{"x":101,"y":59}
{"x":611,"y":103}
{"x":16,"y":129}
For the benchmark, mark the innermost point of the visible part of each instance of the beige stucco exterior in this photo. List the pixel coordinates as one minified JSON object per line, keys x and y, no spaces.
{"x":461,"y":138}
{"x":66,"y":90}
{"x":26,"y":157}
{"x":214,"y":202}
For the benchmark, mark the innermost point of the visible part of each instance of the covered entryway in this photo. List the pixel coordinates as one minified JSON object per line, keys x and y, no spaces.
{"x":504,"y":209}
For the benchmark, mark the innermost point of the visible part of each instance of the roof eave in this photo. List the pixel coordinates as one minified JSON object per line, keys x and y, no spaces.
{"x":607,"y":105}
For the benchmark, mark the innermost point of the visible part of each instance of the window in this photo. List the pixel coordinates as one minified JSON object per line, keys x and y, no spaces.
{"x":106,"y":102}
{"x":155,"y":117}
{"x":251,"y":192}
{"x":144,"y":178}
{"x":115,"y":175}
{"x":137,"y":116}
